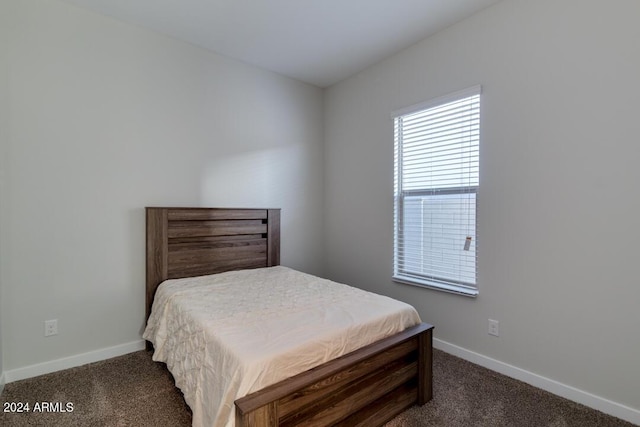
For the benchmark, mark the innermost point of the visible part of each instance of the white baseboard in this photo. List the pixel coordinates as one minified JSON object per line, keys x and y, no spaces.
{"x":618,"y":410}
{"x":72,"y":361}
{"x":1,"y":382}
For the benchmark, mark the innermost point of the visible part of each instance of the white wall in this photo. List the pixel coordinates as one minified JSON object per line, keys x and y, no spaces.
{"x":558,"y":262}
{"x":107,"y":118}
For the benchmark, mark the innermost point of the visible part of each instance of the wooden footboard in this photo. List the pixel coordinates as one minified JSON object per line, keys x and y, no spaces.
{"x":367,"y":387}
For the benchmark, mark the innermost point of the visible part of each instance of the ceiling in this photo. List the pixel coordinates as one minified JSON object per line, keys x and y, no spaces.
{"x":316,"y":41}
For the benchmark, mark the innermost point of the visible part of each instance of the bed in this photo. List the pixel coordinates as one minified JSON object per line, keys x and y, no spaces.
{"x":365,"y":386}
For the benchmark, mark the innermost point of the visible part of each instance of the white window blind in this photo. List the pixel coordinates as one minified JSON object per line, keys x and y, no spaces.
{"x":436,"y":192}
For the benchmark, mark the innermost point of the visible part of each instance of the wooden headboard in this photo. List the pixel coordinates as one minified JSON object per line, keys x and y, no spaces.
{"x":186,"y":242}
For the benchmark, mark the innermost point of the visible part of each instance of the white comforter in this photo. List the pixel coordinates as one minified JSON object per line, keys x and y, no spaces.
{"x":226,"y":335}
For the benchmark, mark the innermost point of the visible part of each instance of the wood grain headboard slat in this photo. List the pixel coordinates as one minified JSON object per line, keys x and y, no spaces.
{"x":202,"y":259}
{"x":193,"y":228}
{"x":186,"y":214}
{"x":183,"y":253}
{"x":177,"y":243}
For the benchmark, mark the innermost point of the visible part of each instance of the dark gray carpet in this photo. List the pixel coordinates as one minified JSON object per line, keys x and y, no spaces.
{"x":132,"y":390}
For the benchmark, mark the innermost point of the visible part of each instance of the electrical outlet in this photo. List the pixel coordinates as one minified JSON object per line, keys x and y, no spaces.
{"x":50,"y":327}
{"x":494,"y":328}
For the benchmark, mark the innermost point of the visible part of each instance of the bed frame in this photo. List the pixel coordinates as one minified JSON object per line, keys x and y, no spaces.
{"x":366,"y":387}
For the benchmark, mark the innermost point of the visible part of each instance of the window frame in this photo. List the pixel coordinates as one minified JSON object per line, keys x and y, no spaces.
{"x":405,"y":276}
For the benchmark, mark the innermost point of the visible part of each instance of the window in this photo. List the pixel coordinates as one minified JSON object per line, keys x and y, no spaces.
{"x":436,"y":180}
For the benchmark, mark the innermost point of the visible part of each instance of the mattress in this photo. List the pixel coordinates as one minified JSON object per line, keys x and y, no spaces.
{"x":226,"y":335}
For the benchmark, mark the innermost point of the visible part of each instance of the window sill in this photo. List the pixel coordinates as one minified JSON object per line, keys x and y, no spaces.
{"x":436,"y":286}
